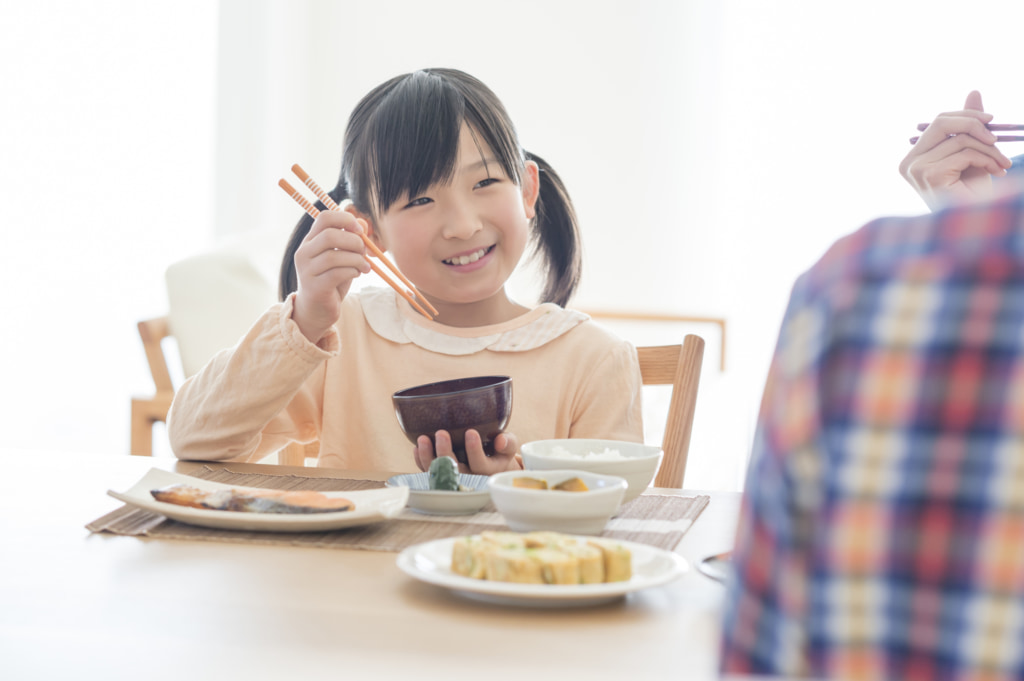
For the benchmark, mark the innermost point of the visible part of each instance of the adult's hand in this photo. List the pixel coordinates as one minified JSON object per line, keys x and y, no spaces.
{"x":955,"y":158}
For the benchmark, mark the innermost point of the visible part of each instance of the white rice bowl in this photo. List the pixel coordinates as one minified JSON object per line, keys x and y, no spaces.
{"x":637,"y":463}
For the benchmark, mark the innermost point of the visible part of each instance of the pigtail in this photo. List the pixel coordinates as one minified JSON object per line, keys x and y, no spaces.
{"x":288,"y":280}
{"x":556,"y":236}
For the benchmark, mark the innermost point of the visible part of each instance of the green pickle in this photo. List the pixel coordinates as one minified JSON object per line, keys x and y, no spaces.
{"x":444,"y":474}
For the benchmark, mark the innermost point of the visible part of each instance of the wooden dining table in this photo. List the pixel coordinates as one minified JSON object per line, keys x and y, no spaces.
{"x":75,"y":604}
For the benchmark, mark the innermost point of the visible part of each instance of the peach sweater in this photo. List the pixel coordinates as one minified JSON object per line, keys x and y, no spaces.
{"x":570,"y":378}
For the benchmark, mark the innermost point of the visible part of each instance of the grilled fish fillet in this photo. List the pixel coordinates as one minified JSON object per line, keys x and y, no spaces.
{"x":252,"y":501}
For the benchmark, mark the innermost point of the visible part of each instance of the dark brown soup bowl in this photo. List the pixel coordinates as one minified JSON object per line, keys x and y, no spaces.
{"x":483,"y":403}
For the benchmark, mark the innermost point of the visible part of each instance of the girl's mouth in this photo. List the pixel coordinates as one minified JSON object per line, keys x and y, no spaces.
{"x":469,"y":258}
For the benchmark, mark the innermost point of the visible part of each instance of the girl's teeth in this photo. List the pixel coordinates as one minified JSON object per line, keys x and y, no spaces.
{"x":466,"y":259}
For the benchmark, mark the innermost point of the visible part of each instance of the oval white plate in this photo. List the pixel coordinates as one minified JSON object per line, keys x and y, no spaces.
{"x":443,"y":502}
{"x":372,"y":505}
{"x":431,"y":563}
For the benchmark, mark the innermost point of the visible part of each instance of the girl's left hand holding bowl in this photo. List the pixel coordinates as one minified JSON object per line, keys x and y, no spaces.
{"x":506,"y":445}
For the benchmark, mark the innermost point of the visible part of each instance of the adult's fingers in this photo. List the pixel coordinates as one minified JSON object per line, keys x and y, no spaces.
{"x":948,"y":126}
{"x":973,"y":101}
{"x":947,"y":169}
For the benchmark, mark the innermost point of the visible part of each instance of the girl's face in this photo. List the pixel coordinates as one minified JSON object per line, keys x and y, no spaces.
{"x":459,"y":243}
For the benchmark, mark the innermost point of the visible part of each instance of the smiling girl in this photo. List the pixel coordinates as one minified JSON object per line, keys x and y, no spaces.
{"x":433,"y":171}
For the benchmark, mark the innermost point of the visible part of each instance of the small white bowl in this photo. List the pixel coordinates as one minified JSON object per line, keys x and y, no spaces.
{"x":638,"y":465}
{"x":527,"y":510}
{"x":443,"y":502}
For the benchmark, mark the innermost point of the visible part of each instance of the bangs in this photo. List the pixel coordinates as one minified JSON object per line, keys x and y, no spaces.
{"x":412,"y":140}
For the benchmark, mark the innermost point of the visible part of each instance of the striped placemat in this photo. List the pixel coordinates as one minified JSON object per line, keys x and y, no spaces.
{"x":655,"y":519}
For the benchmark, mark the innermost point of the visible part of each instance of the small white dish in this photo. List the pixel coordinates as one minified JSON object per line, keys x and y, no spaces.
{"x":637,"y":463}
{"x":443,"y":502}
{"x":371,"y":506}
{"x":586,"y":512}
{"x":431,"y":563}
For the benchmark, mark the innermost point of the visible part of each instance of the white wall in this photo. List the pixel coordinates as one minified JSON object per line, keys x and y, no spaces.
{"x":817,"y":102}
{"x":713,"y":149}
{"x":106,"y":129}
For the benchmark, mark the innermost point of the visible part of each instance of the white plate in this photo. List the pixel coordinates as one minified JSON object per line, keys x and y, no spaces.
{"x":443,"y":502}
{"x":372,"y":506}
{"x":431,"y":563}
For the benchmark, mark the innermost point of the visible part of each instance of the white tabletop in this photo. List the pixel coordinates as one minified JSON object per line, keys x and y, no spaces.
{"x":75,"y":605}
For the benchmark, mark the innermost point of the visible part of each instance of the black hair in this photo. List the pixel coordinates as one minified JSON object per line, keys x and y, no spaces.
{"x":403,"y":137}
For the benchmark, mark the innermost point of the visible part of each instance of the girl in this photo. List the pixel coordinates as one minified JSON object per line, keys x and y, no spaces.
{"x":434,"y":173}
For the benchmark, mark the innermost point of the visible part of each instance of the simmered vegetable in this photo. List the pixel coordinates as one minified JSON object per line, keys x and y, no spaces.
{"x":572,"y":485}
{"x":529,"y":483}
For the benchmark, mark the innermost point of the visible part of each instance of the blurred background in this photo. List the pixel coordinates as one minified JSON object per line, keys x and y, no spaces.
{"x":713,"y":148}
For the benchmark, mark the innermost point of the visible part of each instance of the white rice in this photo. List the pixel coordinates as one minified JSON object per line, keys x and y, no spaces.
{"x":558,"y":452}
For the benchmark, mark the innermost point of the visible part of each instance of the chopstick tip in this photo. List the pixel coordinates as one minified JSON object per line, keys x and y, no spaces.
{"x":300,"y":173}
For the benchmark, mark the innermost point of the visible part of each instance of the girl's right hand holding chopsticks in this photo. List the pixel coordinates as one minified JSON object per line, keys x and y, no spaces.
{"x":955,"y":157}
{"x":329,"y":258}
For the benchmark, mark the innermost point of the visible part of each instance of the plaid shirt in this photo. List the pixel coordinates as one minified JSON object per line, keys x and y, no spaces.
{"x":882,"y":534}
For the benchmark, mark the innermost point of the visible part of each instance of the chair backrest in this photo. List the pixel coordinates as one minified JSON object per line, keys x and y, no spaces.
{"x":148,"y":410}
{"x":152,"y":332}
{"x":213,"y":298}
{"x":678,"y":366}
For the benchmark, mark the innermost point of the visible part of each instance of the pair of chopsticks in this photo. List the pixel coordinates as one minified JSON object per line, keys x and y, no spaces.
{"x":994,"y":127}
{"x":409,"y":294}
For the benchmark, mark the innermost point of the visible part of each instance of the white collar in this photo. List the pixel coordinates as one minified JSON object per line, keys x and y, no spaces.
{"x":401,"y":324}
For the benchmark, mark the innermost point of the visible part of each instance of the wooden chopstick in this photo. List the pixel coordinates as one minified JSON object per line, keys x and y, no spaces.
{"x":312,"y":211}
{"x":995,"y":127}
{"x":326,"y":199}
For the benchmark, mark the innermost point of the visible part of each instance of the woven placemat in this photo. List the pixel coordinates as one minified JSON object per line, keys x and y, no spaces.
{"x":654,"y":519}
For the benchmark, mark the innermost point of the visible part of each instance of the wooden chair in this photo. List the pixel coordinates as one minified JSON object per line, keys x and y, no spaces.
{"x":148,"y":410}
{"x":678,"y":366}
{"x":296,"y":453}
{"x":212,"y":299}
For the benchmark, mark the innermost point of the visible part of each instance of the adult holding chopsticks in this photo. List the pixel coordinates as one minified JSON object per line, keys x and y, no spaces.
{"x":434,"y":174}
{"x":955,"y":159}
{"x":885,"y":472}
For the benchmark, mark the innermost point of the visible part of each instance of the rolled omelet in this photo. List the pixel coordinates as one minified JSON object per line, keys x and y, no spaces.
{"x":514,"y":565}
{"x":618,"y":561}
{"x":590,"y":559}
{"x":541,"y":558}
{"x":541,"y":539}
{"x":557,"y":566}
{"x":503,"y":539}
{"x":469,"y":557}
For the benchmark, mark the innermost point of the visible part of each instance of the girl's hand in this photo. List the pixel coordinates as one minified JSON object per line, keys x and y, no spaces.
{"x":326,"y":262}
{"x":505,"y":458}
{"x":956,"y":157}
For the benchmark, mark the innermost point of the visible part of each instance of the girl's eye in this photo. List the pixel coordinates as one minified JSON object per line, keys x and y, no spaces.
{"x":422,"y":201}
{"x":486,"y":183}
